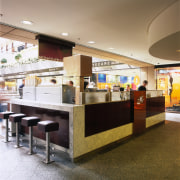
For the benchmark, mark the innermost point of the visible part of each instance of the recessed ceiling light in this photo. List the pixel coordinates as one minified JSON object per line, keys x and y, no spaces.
{"x":111,"y":48}
{"x":27,"y":22}
{"x":178,"y":50}
{"x":65,"y":34}
{"x":91,"y":42}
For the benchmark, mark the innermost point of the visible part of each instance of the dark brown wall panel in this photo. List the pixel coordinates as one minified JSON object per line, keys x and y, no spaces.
{"x":105,"y":116}
{"x":60,"y":137}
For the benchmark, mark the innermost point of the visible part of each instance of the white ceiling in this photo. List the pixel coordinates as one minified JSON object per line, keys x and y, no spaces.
{"x":121,"y":24}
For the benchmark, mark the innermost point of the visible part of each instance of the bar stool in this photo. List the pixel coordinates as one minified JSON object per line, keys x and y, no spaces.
{"x":47,"y":127}
{"x":16,"y":118}
{"x":5,"y":115}
{"x":30,"y":122}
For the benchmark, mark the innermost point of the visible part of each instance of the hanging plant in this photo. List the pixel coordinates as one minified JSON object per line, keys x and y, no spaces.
{"x":3,"y":61}
{"x":17,"y":57}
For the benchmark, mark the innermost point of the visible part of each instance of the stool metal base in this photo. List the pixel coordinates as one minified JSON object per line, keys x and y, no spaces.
{"x":31,"y":152}
{"x":47,"y":162}
{"x":18,"y":146}
{"x":7,"y":135}
{"x":17,"y":137}
{"x":4,"y":141}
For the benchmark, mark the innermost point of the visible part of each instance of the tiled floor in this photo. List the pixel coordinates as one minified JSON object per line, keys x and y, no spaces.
{"x":154,"y":155}
{"x":173,"y":117}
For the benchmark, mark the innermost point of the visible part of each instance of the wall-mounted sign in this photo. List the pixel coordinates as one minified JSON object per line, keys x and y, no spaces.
{"x":54,"y":49}
{"x":105,"y":63}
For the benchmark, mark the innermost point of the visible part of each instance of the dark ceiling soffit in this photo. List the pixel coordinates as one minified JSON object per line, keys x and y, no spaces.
{"x":167,"y":65}
{"x":55,"y":40}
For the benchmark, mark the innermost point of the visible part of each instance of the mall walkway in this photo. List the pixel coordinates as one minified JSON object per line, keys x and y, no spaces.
{"x":154,"y":155}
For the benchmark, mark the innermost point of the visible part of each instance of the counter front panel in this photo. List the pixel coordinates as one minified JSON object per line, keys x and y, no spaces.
{"x":155,"y":105}
{"x":60,"y":137}
{"x":104,"y":116}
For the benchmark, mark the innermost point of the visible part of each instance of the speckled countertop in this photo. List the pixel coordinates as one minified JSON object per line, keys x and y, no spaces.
{"x":54,"y":106}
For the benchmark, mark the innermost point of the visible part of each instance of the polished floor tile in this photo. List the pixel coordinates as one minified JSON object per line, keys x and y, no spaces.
{"x":154,"y":155}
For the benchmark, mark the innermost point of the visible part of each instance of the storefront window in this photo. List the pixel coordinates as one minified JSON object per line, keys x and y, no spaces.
{"x":168,"y":80}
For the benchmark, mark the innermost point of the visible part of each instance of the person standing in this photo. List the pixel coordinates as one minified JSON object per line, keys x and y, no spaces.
{"x":23,"y":84}
{"x":128,"y":88}
{"x":143,"y":87}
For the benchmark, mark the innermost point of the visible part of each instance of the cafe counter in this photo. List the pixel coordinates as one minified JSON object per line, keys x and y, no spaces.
{"x":88,"y":127}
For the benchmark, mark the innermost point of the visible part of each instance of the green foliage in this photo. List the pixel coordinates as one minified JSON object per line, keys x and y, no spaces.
{"x":18,"y":56}
{"x":3,"y":61}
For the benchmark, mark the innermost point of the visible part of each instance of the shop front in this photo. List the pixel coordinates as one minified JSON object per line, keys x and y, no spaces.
{"x":168,"y":80}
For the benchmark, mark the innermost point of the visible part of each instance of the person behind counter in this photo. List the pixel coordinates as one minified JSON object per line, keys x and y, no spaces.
{"x":23,"y":84}
{"x":143,"y":87}
{"x":21,"y":88}
{"x":121,"y":88}
{"x":128,"y":87}
{"x":71,"y":93}
{"x":71,"y":83}
{"x":86,"y":84}
{"x":53,"y":81}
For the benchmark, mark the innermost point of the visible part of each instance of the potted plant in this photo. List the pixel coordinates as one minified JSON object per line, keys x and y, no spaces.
{"x":3,"y":60}
{"x":17,"y":57}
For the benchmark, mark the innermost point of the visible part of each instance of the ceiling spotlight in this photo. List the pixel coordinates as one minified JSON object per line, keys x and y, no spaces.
{"x":65,"y":34}
{"x":27,"y":22}
{"x":91,"y":42}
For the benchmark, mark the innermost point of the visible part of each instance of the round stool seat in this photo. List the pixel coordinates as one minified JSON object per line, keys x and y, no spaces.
{"x":29,"y":121}
{"x":5,"y":115}
{"x":48,"y":126}
{"x":16,"y":117}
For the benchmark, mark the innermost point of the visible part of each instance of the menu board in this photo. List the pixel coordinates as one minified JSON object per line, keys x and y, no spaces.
{"x":123,"y":79}
{"x":102,"y":78}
